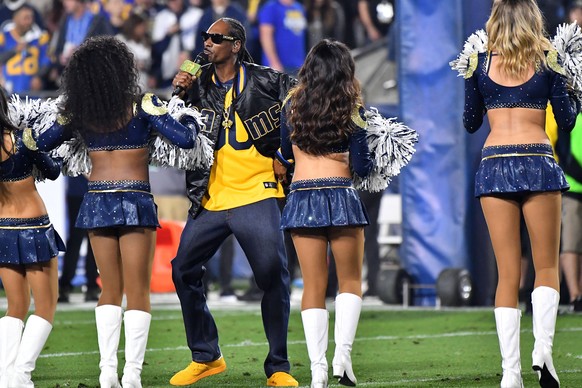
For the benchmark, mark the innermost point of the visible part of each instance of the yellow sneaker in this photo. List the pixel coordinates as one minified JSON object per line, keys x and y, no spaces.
{"x":197,"y":371}
{"x":281,"y":379}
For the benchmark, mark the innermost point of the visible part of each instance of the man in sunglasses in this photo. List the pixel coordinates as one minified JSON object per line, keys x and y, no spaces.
{"x":238,"y":194}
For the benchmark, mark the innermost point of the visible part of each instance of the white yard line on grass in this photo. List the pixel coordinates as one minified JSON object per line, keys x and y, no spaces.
{"x":302,"y":342}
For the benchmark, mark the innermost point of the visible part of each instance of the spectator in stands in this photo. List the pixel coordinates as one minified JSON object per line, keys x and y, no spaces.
{"x":8,"y":8}
{"x":134,"y":33}
{"x":43,"y":6}
{"x":173,"y":39}
{"x":117,"y":11}
{"x":251,"y":8}
{"x":325,"y":19}
{"x":350,"y":11}
{"x":217,"y":10}
{"x":23,"y":53}
{"x":53,"y":17}
{"x":78,"y":24}
{"x":376,"y":17}
{"x":282,"y":29}
{"x":148,"y":9}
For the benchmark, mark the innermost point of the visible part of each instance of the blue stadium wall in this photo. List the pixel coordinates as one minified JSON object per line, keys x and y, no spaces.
{"x":443,"y":226}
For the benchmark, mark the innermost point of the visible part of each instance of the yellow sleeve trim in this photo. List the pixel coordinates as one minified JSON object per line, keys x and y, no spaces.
{"x":357,"y":118}
{"x":473,"y":61}
{"x":63,"y":120}
{"x":152,"y":105}
{"x":28,"y":139}
{"x":289,"y":95}
{"x":552,"y":61}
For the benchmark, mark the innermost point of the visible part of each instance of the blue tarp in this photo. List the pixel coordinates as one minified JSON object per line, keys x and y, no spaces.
{"x":437,"y":186}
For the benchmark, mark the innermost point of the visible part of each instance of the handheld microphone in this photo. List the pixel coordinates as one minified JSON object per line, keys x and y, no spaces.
{"x":192,"y":68}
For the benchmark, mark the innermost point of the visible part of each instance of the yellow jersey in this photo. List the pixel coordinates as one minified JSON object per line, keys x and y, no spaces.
{"x":240,"y":175}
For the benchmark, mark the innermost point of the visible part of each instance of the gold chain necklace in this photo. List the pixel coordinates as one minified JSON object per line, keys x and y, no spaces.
{"x":226,"y":121}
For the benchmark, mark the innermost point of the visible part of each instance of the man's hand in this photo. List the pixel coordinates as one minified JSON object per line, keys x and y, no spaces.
{"x":183,"y":80}
{"x":280,"y":171}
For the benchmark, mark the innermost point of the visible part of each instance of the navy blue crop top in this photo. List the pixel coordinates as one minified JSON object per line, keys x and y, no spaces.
{"x":483,"y":94}
{"x":20,"y":164}
{"x":357,"y":145}
{"x":150,"y":115}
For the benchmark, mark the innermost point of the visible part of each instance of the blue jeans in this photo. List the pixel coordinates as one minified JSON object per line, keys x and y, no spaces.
{"x":256,"y":228}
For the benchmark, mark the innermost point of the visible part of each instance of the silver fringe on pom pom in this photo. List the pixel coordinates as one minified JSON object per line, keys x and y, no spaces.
{"x":23,"y":113}
{"x":74,"y":152}
{"x":392,"y":144}
{"x":76,"y":160}
{"x":28,"y":113}
{"x":164,"y":153}
{"x":476,"y":43}
{"x":568,"y":44}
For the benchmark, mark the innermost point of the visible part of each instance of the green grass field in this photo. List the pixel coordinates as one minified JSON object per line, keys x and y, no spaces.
{"x":409,"y":348}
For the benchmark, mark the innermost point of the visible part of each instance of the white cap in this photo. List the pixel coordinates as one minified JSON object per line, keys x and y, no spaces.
{"x":13,"y":5}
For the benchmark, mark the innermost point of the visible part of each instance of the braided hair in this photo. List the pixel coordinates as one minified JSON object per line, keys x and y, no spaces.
{"x":237,"y":30}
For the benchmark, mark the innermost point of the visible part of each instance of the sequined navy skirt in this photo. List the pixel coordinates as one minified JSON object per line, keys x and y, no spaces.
{"x":28,"y":240}
{"x":117,"y":203}
{"x":318,"y":203}
{"x":519,"y":168}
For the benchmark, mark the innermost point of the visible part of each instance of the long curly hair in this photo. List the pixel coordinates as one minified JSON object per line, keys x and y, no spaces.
{"x":100,"y":84}
{"x":324,"y":99}
{"x":516,"y":31}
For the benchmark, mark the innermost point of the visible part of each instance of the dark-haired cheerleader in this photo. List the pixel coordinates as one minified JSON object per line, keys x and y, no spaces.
{"x":29,"y":247}
{"x":105,"y":114}
{"x":325,"y":134}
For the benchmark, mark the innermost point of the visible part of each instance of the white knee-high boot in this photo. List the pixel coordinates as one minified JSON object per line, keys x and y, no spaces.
{"x":507,"y":321}
{"x":544,"y":302}
{"x":10,"y":335}
{"x":315,"y":326}
{"x":347,"y":315}
{"x":108,"y":320}
{"x":137,"y":327}
{"x":36,"y":332}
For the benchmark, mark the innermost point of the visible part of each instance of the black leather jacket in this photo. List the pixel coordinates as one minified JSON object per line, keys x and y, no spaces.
{"x":258,"y":106}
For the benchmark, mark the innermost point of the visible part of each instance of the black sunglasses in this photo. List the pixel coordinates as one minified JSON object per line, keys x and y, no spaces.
{"x":216,"y":38}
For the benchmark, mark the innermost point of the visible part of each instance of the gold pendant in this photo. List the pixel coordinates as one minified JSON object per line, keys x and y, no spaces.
{"x":227,"y":123}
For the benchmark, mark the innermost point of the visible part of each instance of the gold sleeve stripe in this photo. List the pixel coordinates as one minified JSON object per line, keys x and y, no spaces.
{"x":473,"y":60}
{"x":63,"y":120}
{"x":357,"y":119}
{"x":151,"y":105}
{"x":289,"y":94}
{"x":28,"y":139}
{"x":552,"y":60}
